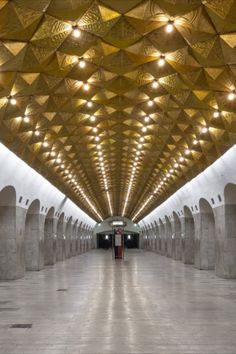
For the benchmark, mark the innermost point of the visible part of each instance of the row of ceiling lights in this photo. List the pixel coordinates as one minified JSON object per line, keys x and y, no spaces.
{"x":58,"y":160}
{"x":181,"y":159}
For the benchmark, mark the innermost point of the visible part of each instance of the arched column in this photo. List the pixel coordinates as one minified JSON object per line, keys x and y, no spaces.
{"x":168,"y":237}
{"x":12,"y":265}
{"x":205,"y":237}
{"x":162,"y":238}
{"x":68,"y":235}
{"x":34,"y":237}
{"x":226,"y":234}
{"x":74,"y":239}
{"x":60,"y":246}
{"x":176,"y":242}
{"x":50,"y":238}
{"x":156,"y":235}
{"x":188,"y":237}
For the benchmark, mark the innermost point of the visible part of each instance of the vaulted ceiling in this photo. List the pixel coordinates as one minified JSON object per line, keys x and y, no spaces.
{"x":118,"y":102}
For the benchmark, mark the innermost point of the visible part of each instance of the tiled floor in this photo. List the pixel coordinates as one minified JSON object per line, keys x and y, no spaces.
{"x":145,"y":304}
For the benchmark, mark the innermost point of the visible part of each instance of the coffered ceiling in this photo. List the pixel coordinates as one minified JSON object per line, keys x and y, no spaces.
{"x":118,"y":102}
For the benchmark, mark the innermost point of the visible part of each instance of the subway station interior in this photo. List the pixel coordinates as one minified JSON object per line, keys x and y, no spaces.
{"x":118,"y":176}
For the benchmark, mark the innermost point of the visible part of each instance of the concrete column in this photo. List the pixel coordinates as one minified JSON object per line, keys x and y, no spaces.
{"x":12,"y":265}
{"x":225,"y":217}
{"x":60,"y":245}
{"x":168,"y":237}
{"x":73,"y":240}
{"x":34,"y":238}
{"x":188,"y":240}
{"x":176,"y":241}
{"x":50,"y":241}
{"x":68,"y":234}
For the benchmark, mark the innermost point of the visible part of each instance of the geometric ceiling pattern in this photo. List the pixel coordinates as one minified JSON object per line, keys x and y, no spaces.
{"x":118,"y":103}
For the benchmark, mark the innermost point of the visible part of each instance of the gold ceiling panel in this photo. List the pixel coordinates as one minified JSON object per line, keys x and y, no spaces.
{"x":118,"y":103}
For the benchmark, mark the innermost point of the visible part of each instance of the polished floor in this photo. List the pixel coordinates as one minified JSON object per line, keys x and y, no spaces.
{"x":92,"y":304}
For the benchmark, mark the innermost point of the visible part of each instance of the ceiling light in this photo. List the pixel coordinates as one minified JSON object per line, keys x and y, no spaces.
{"x":86,"y":87}
{"x":144,"y":129}
{"x":150,"y":103}
{"x":82,"y":63}
{"x":45,"y":144}
{"x":216,"y":114}
{"x":231,"y":96}
{"x":140,"y":146}
{"x":26,"y":119}
{"x":195,"y":142}
{"x":53,"y":153}
{"x":97,"y":138}
{"x":170,"y":27}
{"x":138,"y":152}
{"x":147,"y":119}
{"x":76,"y":32}
{"x":89,"y":104}
{"x":92,"y":118}
{"x":176,"y":165}
{"x":204,"y":130}
{"x":181,"y":159}
{"x":155,"y":84}
{"x":12,"y":101}
{"x":141,"y":139}
{"x":161,"y":61}
{"x":95,"y":130}
{"x":37,"y":133}
{"x":187,"y":152}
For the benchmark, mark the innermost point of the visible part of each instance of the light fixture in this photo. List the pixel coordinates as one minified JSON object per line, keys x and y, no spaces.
{"x":144,"y":129}
{"x":141,"y":140}
{"x":216,"y":114}
{"x":82,"y":63}
{"x":187,"y":152}
{"x":97,"y":138}
{"x":231,"y":96}
{"x":26,"y":119}
{"x":155,"y":84}
{"x":12,"y":101}
{"x":147,"y":119}
{"x":181,"y":159}
{"x":95,"y":130}
{"x":37,"y":133}
{"x":195,"y":142}
{"x":129,"y":237}
{"x":150,"y":103}
{"x":92,"y":118}
{"x":76,"y":32}
{"x":89,"y":104}
{"x":45,"y":144}
{"x":161,"y":61}
{"x":86,"y":87}
{"x":204,"y":130}
{"x":170,"y":26}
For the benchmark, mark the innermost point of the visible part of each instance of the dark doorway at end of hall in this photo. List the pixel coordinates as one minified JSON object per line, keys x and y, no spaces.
{"x":105,"y":240}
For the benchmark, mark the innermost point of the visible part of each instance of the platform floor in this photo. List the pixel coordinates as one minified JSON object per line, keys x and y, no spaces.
{"x":92,"y":304}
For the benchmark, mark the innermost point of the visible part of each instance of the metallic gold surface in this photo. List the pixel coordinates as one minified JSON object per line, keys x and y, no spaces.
{"x":121,"y":43}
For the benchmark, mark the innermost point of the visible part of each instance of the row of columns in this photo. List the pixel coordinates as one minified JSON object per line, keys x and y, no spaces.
{"x":206,"y":239}
{"x":30,"y":240}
